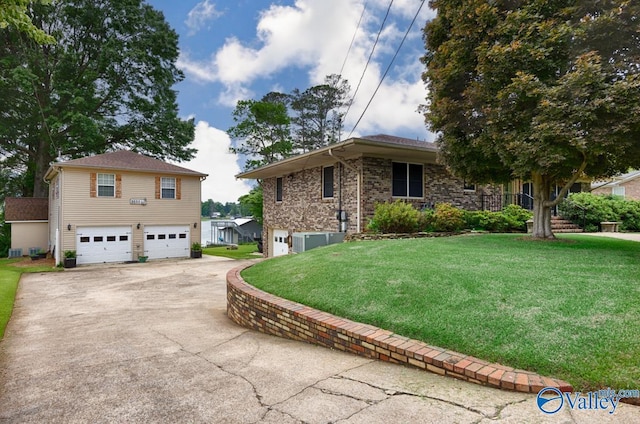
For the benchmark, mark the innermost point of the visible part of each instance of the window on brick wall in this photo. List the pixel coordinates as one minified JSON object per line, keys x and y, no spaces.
{"x":279,"y":189}
{"x":407,"y":180}
{"x":327,"y":182}
{"x":469,"y":187}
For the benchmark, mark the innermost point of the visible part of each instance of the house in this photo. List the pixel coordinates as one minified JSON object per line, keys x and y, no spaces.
{"x":118,"y":206}
{"x":28,"y":217}
{"x":336,"y":188}
{"x":231,"y":231}
{"x":625,"y":185}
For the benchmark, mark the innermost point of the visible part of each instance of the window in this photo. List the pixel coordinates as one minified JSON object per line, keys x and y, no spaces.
{"x":151,"y":236}
{"x":162,"y":236}
{"x":618,"y":191}
{"x":279,"y":189}
{"x":111,"y":238}
{"x":407,"y":180}
{"x":172,"y":236}
{"x":124,"y":238}
{"x":467,"y":186}
{"x":327,"y":182}
{"x":182,"y":236}
{"x":85,"y":239}
{"x":168,"y":188}
{"x":97,"y":239}
{"x":106,"y":185}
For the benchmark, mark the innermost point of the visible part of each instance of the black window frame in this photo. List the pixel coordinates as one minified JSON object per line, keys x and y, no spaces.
{"x":469,"y":187}
{"x":405,"y":182}
{"x":279,"y":189}
{"x":327,"y":183}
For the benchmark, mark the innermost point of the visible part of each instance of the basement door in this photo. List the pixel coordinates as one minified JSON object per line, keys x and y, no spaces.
{"x":280,"y":242}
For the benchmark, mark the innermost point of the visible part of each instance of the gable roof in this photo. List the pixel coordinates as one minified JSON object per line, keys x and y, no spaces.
{"x":26,"y":209}
{"x":381,"y":145}
{"x":616,"y":181}
{"x":124,"y":160}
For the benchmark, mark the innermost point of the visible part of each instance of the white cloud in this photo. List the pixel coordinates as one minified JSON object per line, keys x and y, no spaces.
{"x":314,"y":35}
{"x":200,"y":15}
{"x":214,"y":158}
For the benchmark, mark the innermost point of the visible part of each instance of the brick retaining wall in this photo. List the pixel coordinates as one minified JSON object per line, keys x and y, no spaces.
{"x":261,"y":311}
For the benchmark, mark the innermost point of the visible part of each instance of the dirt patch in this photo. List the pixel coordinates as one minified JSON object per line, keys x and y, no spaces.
{"x":27,"y":262}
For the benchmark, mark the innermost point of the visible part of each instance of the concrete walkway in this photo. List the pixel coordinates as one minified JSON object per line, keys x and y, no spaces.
{"x":152,"y":343}
{"x":621,"y":236}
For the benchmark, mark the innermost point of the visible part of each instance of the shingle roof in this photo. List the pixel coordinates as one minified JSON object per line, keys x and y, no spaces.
{"x":26,"y":209}
{"x":391,"y":139}
{"x":127,"y":160}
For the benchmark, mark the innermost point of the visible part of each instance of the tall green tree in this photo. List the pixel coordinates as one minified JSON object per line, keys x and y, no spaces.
{"x":318,"y":113}
{"x":262,"y":131}
{"x":14,"y":14}
{"x":105,"y":85}
{"x":541,"y":90}
{"x":252,"y":203}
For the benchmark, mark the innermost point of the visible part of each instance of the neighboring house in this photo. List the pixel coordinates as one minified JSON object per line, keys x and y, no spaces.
{"x":116,"y":207}
{"x":336,"y":188}
{"x":28,"y":217}
{"x":625,"y":185}
{"x":231,"y":231}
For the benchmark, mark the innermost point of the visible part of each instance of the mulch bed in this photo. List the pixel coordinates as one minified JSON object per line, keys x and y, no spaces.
{"x":27,"y":262}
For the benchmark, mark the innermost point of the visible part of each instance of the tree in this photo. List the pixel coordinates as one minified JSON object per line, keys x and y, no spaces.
{"x":105,"y":85}
{"x":318,"y":114}
{"x":262,"y":130}
{"x":253,"y":203}
{"x":541,"y":90}
{"x":14,"y":14}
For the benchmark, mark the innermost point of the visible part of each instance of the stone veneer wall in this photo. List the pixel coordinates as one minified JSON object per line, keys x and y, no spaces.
{"x":252,"y":308}
{"x":303,"y":208}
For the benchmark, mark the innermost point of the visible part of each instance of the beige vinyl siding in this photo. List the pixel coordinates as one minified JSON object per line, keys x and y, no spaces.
{"x":28,"y":234}
{"x":54,"y":209}
{"x":80,"y":209}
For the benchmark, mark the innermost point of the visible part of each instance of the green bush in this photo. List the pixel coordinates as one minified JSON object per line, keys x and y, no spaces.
{"x":511,"y":218}
{"x":448,"y":218}
{"x":597,"y":208}
{"x":396,"y":217}
{"x":427,"y":220}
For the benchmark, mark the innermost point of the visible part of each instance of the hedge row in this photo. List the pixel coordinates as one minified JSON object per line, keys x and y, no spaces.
{"x":401,"y":217}
{"x":591,"y":209}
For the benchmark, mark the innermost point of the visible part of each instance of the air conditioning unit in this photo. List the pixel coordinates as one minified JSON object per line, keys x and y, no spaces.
{"x":307,"y":241}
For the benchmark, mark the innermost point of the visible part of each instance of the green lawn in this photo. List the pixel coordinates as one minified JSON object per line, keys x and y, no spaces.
{"x":244,"y":251}
{"x":9,"y":277}
{"x":568,"y":309}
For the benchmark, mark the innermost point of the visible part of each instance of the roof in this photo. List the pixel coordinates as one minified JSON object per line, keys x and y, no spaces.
{"x":26,"y":209}
{"x":617,"y":180}
{"x":381,"y":145}
{"x":125,"y":160}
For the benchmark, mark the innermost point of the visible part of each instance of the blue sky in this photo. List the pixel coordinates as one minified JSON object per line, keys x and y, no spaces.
{"x":243,"y":49}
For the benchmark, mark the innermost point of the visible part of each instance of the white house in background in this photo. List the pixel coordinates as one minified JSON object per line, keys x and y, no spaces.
{"x":116,"y":207}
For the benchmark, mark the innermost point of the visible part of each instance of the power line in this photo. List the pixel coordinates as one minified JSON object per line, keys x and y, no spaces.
{"x":388,"y":67}
{"x":364,"y":8}
{"x":369,"y":59}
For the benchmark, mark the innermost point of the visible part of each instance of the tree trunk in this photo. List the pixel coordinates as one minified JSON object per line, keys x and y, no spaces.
{"x":541,"y":207}
{"x":43,"y":159}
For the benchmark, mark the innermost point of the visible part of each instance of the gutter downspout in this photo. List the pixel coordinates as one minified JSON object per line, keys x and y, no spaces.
{"x":358,"y":185}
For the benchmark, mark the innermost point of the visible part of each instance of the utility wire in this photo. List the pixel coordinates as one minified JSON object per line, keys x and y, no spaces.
{"x":369,"y":59}
{"x":388,"y":67}
{"x":364,"y":9}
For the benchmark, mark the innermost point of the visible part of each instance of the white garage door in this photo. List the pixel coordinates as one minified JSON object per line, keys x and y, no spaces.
{"x":103,"y":244}
{"x":166,"y":241}
{"x":280,"y":242}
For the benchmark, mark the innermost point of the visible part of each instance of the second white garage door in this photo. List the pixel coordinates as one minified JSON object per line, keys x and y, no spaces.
{"x":280,"y":242}
{"x":166,"y":241}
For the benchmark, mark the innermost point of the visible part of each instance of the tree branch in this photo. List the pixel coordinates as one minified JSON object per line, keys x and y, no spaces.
{"x":567,"y":186}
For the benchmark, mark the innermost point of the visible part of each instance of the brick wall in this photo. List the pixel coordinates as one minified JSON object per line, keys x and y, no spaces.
{"x":303,"y":208}
{"x":252,"y":308}
{"x":631,"y":190}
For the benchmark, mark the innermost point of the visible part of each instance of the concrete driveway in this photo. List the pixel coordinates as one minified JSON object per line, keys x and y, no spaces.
{"x":152,"y":343}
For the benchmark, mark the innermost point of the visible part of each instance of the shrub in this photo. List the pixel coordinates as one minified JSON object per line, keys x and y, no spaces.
{"x":427,"y":220}
{"x":517,"y":217}
{"x":597,"y":208}
{"x":396,"y":217}
{"x":448,"y":218}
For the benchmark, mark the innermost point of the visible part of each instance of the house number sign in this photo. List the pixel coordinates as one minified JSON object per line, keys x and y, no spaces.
{"x":141,"y":202}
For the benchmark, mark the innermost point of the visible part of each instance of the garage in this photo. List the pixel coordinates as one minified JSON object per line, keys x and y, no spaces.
{"x":280,"y":242}
{"x":166,"y":241}
{"x":103,"y":244}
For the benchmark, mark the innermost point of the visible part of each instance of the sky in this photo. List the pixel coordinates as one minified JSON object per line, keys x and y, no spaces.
{"x":233,"y":50}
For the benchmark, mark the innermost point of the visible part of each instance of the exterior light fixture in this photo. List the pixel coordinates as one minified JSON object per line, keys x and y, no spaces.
{"x":138,"y":226}
{"x":195,"y":225}
{"x":68,"y":227}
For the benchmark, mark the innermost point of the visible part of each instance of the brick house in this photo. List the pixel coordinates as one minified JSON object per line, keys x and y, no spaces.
{"x":118,"y":206}
{"x":336,"y":188}
{"x":626,"y":185}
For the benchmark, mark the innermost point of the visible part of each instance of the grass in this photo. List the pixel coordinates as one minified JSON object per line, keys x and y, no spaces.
{"x":566,"y":309}
{"x":244,"y":251}
{"x":9,"y":277}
